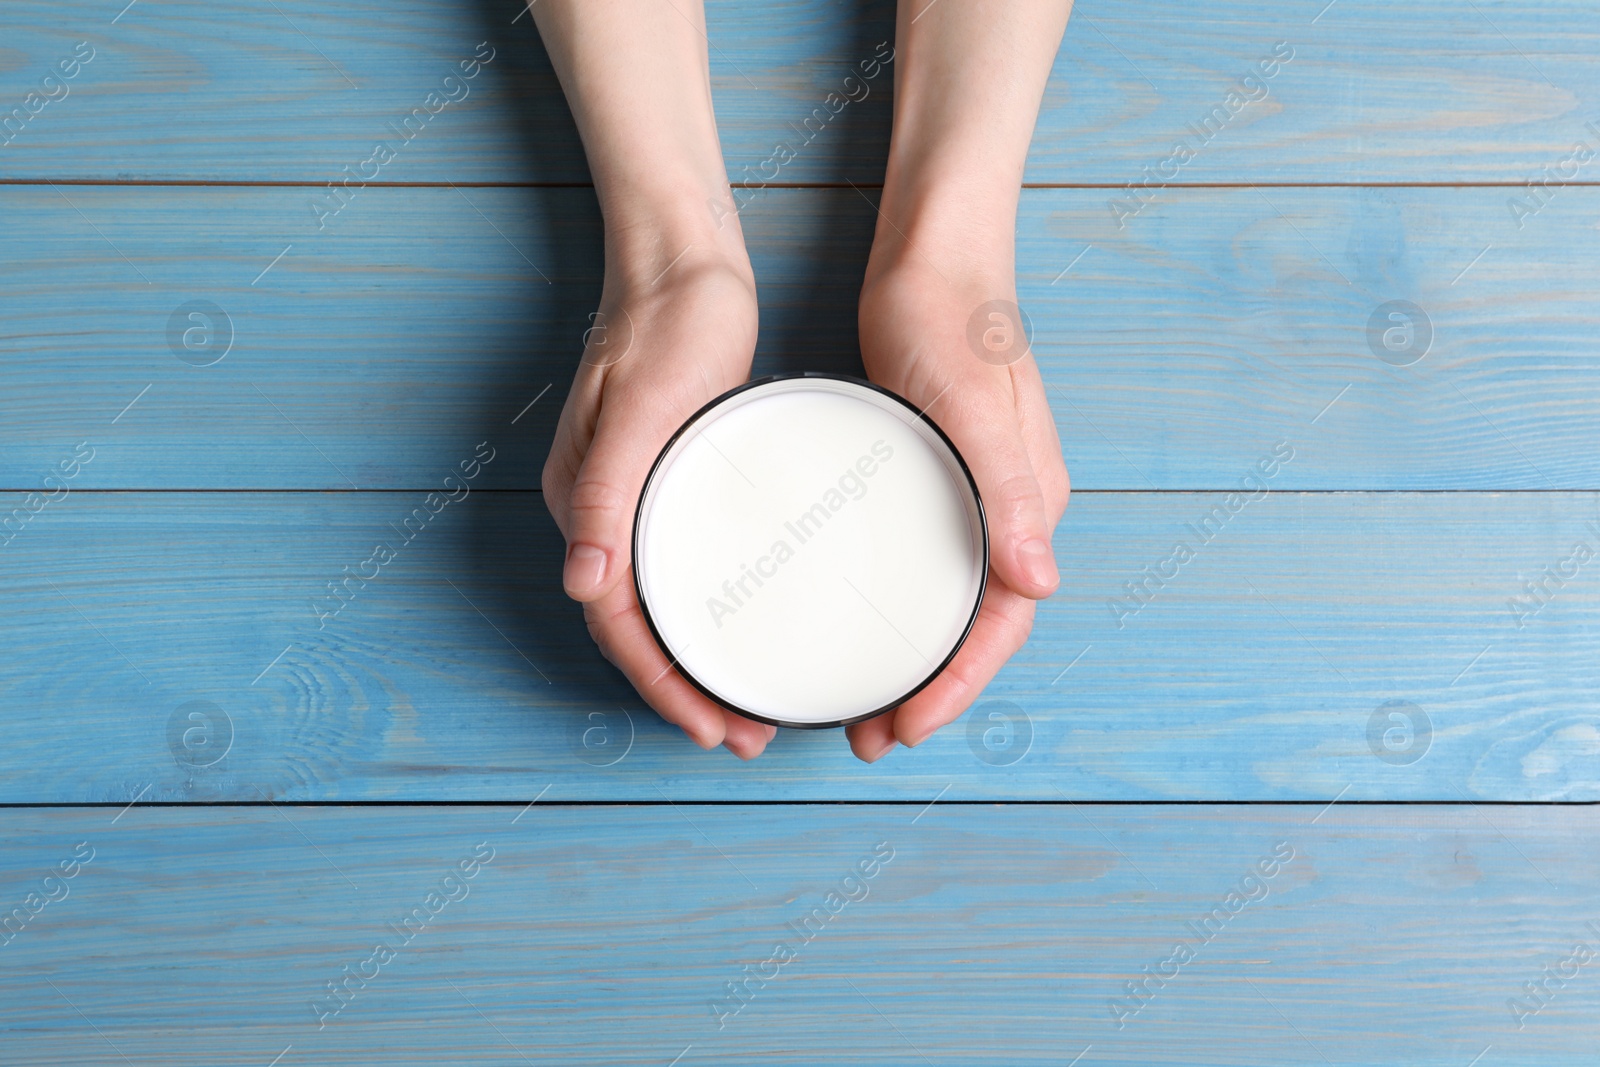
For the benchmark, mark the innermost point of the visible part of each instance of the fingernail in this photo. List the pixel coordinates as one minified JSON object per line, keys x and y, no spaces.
{"x":913,"y":740}
{"x":1038,"y":563}
{"x":882,"y":752}
{"x":586,"y":565}
{"x":704,"y":742}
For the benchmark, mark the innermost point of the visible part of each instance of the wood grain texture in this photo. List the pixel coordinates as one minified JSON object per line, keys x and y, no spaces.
{"x":1350,"y":645}
{"x":1264,"y":668}
{"x":1392,"y":936}
{"x":421,"y":321}
{"x":292,"y":90}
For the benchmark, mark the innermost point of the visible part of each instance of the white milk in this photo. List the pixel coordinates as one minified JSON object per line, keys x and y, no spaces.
{"x":810,"y":551}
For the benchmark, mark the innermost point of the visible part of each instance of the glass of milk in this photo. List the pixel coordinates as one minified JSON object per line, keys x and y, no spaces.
{"x":810,"y":550}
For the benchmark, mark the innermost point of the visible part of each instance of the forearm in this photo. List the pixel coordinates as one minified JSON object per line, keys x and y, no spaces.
{"x":636,"y":76}
{"x":969,"y":78}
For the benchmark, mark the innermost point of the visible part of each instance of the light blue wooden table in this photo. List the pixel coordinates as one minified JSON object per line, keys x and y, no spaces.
{"x":1322,"y":796}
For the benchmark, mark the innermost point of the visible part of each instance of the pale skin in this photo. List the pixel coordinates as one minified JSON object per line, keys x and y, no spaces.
{"x":679,"y":299}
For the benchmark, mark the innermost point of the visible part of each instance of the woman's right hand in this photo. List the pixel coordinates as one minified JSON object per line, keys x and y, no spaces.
{"x":676,"y":328}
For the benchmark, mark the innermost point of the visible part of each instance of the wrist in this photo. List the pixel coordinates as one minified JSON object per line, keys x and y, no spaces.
{"x":963,"y":230}
{"x":671,"y":226}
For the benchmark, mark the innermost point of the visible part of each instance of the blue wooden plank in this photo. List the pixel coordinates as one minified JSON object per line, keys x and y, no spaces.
{"x":1382,"y":935}
{"x":285,"y":90}
{"x":293,"y":90}
{"x":1370,"y":646}
{"x":422,"y":322}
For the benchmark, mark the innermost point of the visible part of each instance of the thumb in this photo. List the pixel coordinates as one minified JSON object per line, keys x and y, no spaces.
{"x":982,"y":421}
{"x":605,"y":494}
